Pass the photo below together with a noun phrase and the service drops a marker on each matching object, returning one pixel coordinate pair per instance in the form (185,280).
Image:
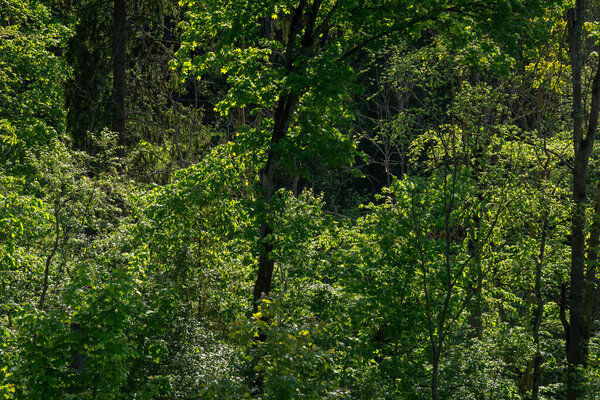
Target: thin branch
(51,255)
(424,271)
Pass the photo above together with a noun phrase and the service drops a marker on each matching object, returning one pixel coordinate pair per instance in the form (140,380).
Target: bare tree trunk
(435,391)
(120,72)
(591,296)
(583,145)
(539,314)
(576,344)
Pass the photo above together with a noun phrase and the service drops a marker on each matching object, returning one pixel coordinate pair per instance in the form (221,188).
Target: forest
(299,199)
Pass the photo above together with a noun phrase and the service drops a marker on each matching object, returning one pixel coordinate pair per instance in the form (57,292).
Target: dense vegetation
(299,199)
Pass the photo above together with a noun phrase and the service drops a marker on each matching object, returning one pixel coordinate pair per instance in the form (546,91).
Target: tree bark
(120,73)
(284,111)
(435,390)
(539,315)
(283,114)
(583,145)
(576,344)
(591,296)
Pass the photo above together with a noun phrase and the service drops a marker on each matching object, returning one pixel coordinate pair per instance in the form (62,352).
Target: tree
(389,178)
(281,59)
(32,72)
(582,312)
(119,59)
(86,93)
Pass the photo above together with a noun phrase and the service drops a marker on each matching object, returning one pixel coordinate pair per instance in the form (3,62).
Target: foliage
(31,77)
(419,223)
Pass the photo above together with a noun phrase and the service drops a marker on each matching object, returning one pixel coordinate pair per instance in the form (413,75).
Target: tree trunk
(576,345)
(119,72)
(583,145)
(281,121)
(78,360)
(283,114)
(539,314)
(435,375)
(591,296)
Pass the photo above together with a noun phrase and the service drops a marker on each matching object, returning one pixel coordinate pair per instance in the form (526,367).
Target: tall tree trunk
(583,145)
(284,111)
(591,296)
(435,390)
(120,72)
(305,17)
(539,314)
(283,114)
(576,344)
